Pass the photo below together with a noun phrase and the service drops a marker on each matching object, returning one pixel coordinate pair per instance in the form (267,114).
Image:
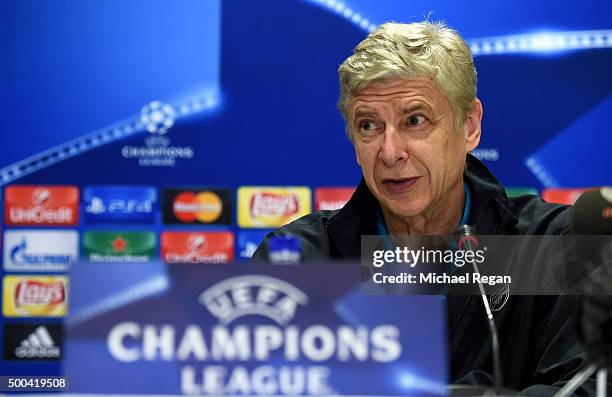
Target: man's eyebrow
(416,106)
(364,113)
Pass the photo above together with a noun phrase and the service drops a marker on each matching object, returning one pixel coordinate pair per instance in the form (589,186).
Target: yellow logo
(272,206)
(35,296)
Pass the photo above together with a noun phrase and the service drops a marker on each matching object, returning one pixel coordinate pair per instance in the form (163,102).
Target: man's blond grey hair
(423,49)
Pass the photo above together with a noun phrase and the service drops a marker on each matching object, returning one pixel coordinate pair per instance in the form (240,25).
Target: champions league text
(221,346)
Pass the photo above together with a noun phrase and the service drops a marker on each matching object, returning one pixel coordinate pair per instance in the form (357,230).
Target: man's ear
(472,126)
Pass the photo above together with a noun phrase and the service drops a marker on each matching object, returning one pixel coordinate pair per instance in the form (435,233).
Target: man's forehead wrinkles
(396,93)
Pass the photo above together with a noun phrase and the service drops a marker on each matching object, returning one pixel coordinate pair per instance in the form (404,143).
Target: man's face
(406,144)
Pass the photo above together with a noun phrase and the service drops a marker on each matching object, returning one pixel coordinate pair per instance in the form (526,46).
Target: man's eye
(416,120)
(367,125)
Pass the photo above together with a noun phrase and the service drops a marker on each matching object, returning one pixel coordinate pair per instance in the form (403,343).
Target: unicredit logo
(40,196)
(270,204)
(196,242)
(29,292)
(207,247)
(53,205)
(253,295)
(40,215)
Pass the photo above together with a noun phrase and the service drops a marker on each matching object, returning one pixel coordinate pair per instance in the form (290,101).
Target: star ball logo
(236,356)
(157,118)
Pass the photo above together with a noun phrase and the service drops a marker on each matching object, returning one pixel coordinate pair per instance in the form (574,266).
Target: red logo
(562,196)
(30,292)
(197,247)
(271,204)
(42,205)
(332,198)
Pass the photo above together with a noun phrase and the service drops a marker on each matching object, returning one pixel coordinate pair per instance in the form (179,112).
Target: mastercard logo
(205,207)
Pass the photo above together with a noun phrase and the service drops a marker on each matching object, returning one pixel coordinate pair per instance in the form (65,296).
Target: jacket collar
(490,213)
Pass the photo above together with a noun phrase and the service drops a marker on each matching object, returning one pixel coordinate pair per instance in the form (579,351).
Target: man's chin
(405,212)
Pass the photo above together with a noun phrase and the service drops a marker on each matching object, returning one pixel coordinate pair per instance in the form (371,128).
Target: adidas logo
(38,344)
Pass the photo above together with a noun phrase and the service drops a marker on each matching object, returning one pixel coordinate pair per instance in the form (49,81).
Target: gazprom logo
(253,295)
(40,250)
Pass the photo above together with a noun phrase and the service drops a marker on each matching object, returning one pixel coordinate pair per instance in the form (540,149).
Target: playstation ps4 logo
(253,295)
(119,204)
(98,206)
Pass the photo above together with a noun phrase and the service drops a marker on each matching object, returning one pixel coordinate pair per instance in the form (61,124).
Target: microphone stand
(469,242)
(604,360)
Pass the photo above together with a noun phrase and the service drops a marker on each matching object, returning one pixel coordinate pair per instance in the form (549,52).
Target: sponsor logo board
(119,246)
(32,341)
(268,207)
(248,241)
(197,247)
(41,205)
(521,191)
(125,204)
(197,206)
(332,198)
(562,196)
(34,296)
(40,250)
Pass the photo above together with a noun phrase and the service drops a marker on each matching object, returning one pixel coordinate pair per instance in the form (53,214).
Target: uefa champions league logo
(157,117)
(253,295)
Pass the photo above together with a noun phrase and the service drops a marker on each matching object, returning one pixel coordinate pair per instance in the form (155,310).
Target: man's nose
(392,150)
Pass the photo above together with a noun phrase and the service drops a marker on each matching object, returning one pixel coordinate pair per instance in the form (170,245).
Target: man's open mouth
(399,185)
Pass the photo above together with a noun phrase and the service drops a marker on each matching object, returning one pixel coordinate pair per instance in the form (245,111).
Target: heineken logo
(253,295)
(119,246)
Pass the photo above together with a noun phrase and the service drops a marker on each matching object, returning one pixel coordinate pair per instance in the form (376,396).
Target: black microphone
(593,216)
(468,241)
(591,219)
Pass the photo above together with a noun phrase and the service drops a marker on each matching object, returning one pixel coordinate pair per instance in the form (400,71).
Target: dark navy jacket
(540,348)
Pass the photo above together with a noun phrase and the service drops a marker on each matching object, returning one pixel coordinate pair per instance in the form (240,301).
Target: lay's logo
(270,204)
(41,205)
(34,296)
(272,207)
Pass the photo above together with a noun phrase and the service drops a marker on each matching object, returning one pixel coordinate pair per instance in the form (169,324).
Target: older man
(408,96)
